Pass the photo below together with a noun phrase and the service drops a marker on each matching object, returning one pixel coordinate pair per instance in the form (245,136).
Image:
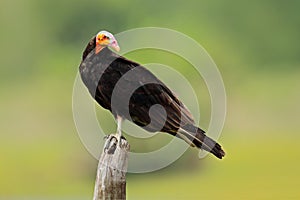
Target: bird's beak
(114,45)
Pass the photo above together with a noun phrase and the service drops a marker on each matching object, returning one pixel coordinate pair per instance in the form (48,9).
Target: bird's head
(104,39)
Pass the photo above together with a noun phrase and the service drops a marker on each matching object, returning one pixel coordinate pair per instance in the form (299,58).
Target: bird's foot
(110,144)
(120,138)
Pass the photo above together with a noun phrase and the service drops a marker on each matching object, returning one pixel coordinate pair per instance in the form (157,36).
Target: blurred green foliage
(254,43)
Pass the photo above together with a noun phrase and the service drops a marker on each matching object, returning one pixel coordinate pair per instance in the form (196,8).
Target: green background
(255,45)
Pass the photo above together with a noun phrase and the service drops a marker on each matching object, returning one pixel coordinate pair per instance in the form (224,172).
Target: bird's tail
(196,137)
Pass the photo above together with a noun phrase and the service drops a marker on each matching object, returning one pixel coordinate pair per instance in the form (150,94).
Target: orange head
(105,38)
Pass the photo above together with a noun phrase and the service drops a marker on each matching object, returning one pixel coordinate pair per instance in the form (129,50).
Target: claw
(105,137)
(110,145)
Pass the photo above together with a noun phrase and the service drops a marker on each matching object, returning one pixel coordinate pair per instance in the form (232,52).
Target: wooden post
(111,172)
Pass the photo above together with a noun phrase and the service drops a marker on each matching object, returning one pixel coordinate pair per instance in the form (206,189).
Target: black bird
(111,79)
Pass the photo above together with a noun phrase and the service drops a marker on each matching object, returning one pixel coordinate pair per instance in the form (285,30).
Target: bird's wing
(150,91)
(89,48)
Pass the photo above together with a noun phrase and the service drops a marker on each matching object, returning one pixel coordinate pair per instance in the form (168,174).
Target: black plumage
(106,73)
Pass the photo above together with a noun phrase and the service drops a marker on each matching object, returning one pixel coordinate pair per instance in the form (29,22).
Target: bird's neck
(99,48)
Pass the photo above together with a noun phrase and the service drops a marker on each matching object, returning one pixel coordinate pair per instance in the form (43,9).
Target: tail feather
(197,137)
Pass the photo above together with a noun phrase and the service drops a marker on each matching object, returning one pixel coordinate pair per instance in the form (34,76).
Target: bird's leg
(119,130)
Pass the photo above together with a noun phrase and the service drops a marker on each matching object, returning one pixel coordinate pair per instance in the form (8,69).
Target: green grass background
(255,45)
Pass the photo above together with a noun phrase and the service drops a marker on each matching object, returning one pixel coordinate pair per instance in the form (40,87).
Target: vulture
(131,92)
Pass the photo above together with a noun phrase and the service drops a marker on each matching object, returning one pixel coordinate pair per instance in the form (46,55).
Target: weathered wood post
(111,172)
